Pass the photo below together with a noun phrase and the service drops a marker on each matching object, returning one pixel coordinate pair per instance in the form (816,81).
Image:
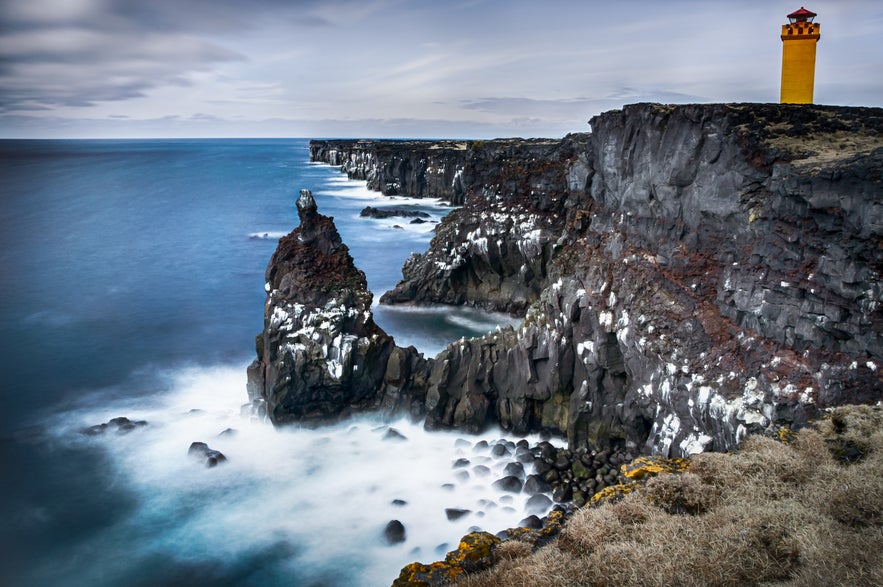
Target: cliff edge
(707,270)
(688,274)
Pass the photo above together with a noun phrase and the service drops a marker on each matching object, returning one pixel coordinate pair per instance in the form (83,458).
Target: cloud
(574,108)
(76,53)
(205,125)
(376,67)
(47,65)
(525,107)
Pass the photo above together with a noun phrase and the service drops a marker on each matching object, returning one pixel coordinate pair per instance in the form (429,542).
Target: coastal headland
(687,275)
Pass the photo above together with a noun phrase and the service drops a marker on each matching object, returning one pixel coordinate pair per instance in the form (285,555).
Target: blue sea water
(133,285)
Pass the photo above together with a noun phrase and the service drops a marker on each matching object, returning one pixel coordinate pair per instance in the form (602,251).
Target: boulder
(394,532)
(371,212)
(456,513)
(509,483)
(209,457)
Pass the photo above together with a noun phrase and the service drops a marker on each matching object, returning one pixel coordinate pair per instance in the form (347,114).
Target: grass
(805,513)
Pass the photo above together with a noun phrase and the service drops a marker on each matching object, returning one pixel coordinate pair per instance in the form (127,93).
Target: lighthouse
(799,38)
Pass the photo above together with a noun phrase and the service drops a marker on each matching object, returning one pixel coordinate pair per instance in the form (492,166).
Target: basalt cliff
(320,356)
(687,274)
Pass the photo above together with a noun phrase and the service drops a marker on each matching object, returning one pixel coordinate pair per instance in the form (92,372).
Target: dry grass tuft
(681,494)
(770,514)
(513,549)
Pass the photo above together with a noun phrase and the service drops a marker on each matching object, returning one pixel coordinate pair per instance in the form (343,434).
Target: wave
(274,235)
(482,322)
(325,495)
(342,187)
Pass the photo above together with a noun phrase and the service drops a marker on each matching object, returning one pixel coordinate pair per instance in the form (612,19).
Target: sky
(402,68)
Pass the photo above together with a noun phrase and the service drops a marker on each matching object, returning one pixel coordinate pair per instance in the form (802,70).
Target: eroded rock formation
(320,355)
(419,169)
(495,251)
(687,274)
(717,271)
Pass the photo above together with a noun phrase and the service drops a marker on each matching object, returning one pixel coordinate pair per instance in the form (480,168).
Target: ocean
(133,286)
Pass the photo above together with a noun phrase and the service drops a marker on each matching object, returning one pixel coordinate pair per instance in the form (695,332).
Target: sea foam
(314,501)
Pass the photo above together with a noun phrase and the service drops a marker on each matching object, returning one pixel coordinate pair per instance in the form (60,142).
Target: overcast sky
(402,68)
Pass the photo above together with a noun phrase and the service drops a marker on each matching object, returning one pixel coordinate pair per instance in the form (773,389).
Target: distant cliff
(688,273)
(420,169)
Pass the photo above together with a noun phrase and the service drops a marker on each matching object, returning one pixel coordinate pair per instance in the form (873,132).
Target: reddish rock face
(320,355)
(688,274)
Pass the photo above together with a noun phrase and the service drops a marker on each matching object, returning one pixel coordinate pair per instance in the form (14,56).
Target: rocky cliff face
(320,355)
(420,169)
(495,251)
(688,274)
(708,270)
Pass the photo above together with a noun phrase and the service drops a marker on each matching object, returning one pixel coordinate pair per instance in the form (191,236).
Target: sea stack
(320,355)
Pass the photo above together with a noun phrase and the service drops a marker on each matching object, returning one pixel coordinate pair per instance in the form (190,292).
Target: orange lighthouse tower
(799,38)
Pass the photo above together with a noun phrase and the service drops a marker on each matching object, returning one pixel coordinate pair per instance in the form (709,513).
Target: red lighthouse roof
(802,14)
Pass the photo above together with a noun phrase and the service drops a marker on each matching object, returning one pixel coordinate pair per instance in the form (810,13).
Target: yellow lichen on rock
(537,536)
(613,493)
(474,553)
(644,467)
(785,435)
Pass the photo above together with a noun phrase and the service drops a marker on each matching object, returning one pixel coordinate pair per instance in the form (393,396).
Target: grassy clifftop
(806,509)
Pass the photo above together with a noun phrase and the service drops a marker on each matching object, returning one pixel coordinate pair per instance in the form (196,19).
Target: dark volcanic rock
(321,355)
(535,484)
(515,469)
(394,532)
(121,425)
(394,435)
(538,504)
(209,457)
(508,483)
(418,169)
(371,212)
(690,273)
(456,513)
(494,252)
(532,521)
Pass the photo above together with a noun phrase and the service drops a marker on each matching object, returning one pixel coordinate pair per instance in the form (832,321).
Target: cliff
(495,251)
(420,169)
(688,274)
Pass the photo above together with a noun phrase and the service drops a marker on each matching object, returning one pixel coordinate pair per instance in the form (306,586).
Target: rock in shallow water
(531,521)
(320,356)
(394,435)
(538,504)
(211,458)
(515,469)
(509,483)
(121,425)
(535,484)
(456,513)
(394,533)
